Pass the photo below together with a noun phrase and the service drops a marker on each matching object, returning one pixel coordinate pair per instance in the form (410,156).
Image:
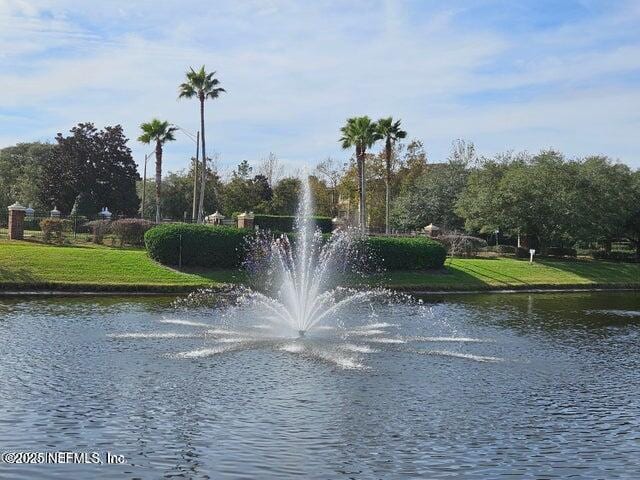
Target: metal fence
(78,228)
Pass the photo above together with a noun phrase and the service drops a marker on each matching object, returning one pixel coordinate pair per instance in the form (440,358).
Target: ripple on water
(466,356)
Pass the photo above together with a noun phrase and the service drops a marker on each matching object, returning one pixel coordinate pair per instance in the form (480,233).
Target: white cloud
(295,70)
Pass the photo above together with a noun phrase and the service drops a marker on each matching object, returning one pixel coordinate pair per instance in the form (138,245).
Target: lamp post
(144,184)
(195,138)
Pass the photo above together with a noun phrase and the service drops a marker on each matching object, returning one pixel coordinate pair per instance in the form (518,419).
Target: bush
(406,253)
(462,245)
(616,256)
(53,229)
(562,252)
(201,245)
(130,231)
(502,249)
(285,223)
(99,228)
(522,252)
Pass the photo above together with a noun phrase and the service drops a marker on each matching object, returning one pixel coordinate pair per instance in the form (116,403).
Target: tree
(432,198)
(244,193)
(243,171)
(632,224)
(271,169)
(159,132)
(177,194)
(286,195)
(202,85)
(93,165)
(322,196)
(604,200)
(533,197)
(361,133)
(20,170)
(390,132)
(330,170)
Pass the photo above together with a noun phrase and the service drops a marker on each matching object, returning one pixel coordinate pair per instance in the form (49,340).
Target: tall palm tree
(390,131)
(361,133)
(202,85)
(159,132)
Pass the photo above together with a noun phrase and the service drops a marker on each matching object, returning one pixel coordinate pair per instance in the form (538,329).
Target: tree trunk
(387,184)
(204,163)
(364,194)
(158,179)
(360,165)
(194,209)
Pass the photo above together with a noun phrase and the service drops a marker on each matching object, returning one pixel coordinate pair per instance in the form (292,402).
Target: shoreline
(151,290)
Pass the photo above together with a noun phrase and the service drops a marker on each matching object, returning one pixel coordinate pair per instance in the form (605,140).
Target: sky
(506,75)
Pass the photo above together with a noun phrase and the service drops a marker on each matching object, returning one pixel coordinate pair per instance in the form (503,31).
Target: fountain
(296,278)
(294,302)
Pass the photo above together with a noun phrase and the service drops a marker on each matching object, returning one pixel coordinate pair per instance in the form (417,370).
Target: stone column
(16,221)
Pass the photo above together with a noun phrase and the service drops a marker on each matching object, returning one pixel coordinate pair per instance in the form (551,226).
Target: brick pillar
(245,220)
(16,221)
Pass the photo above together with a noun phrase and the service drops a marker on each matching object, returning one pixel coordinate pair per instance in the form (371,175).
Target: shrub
(462,245)
(616,256)
(130,231)
(285,223)
(99,228)
(406,253)
(561,252)
(502,249)
(53,229)
(199,245)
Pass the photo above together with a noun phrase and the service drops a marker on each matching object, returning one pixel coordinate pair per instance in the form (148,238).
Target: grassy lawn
(511,273)
(35,265)
(30,265)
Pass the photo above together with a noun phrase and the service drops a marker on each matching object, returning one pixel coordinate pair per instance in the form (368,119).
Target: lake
(458,386)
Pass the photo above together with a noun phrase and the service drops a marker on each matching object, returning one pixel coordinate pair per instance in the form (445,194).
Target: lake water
(469,386)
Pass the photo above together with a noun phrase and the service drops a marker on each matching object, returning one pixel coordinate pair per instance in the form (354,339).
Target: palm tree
(202,85)
(390,131)
(361,133)
(159,132)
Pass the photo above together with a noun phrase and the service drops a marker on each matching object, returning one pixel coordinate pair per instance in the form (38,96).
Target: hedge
(202,245)
(406,253)
(561,252)
(285,223)
(224,247)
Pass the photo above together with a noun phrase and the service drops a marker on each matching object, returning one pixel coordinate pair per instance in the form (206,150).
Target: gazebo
(431,230)
(215,218)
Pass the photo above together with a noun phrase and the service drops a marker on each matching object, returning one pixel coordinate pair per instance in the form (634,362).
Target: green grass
(507,273)
(30,265)
(26,265)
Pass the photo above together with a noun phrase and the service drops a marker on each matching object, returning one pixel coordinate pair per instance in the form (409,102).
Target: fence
(79,230)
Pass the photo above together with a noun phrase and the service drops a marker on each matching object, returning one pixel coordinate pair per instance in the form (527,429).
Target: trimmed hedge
(224,247)
(202,245)
(406,253)
(285,223)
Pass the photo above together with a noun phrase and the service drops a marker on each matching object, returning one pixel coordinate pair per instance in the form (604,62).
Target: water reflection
(534,385)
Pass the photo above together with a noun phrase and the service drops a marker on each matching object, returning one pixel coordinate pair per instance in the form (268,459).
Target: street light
(195,138)
(144,183)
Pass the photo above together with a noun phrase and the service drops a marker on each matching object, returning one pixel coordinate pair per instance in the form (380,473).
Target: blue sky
(507,75)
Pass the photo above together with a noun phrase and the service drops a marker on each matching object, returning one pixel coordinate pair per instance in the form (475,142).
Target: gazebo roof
(431,228)
(217,215)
